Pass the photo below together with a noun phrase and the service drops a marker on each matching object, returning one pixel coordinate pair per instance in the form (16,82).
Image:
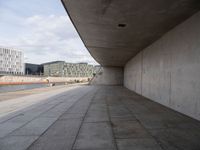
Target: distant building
(63,69)
(54,68)
(33,69)
(11,61)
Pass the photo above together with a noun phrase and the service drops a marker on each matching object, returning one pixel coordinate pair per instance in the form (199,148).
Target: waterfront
(12,88)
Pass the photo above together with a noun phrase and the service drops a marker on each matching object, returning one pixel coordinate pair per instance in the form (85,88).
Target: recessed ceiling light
(121,25)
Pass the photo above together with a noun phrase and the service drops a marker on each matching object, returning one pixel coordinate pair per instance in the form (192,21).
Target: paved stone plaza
(98,118)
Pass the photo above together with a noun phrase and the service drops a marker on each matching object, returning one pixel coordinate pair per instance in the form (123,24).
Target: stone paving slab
(59,136)
(37,108)
(52,143)
(72,116)
(129,129)
(17,142)
(17,104)
(123,118)
(36,127)
(119,110)
(99,118)
(62,134)
(138,144)
(177,138)
(96,116)
(27,125)
(7,128)
(95,136)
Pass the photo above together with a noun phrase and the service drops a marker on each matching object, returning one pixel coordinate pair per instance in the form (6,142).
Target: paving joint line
(50,100)
(57,119)
(29,122)
(22,113)
(90,103)
(111,125)
(161,146)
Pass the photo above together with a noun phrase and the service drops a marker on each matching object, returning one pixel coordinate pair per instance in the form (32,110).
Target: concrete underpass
(150,47)
(146,95)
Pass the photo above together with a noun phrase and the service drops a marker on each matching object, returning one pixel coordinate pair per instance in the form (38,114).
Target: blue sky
(42,30)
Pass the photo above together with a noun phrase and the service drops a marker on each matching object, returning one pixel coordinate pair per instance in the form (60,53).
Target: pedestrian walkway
(99,118)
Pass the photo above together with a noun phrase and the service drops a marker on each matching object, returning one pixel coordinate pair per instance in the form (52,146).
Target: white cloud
(47,38)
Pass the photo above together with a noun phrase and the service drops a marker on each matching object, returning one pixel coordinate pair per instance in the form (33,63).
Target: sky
(42,30)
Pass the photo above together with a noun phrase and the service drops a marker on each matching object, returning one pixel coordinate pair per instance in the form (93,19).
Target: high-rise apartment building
(11,61)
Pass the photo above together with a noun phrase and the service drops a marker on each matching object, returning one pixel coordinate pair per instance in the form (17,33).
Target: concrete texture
(159,49)
(109,76)
(98,23)
(163,46)
(168,70)
(99,118)
(20,129)
(133,74)
(96,135)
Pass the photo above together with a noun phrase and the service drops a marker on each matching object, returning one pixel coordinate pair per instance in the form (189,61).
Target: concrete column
(109,76)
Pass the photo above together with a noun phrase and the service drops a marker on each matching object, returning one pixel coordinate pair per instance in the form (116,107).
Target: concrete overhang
(116,30)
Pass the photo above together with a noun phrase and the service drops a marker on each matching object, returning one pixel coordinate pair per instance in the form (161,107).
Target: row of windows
(5,50)
(11,72)
(10,69)
(11,61)
(19,65)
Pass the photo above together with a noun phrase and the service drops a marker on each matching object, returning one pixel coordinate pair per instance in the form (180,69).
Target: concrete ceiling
(116,30)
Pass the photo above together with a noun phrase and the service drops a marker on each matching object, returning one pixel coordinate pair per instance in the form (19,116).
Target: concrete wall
(168,71)
(109,76)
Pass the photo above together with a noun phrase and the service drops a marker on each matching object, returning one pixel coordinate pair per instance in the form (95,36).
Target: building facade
(54,68)
(11,61)
(63,69)
(33,69)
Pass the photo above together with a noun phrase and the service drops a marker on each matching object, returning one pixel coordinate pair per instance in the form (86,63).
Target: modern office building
(54,68)
(33,69)
(11,61)
(63,69)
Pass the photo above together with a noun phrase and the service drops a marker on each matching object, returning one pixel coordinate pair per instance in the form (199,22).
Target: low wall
(168,71)
(5,80)
(109,76)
